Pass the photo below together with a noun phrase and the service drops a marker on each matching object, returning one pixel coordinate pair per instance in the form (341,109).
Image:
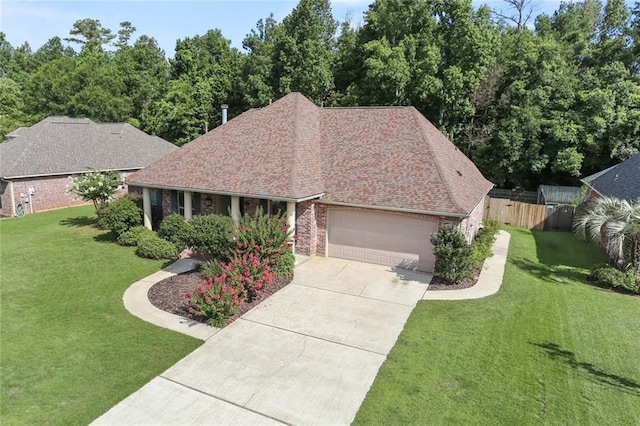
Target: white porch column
(146,207)
(13,199)
(235,209)
(291,215)
(188,204)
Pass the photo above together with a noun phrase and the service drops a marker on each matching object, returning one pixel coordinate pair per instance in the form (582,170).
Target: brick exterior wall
(204,209)
(469,226)
(250,205)
(307,228)
(321,221)
(50,193)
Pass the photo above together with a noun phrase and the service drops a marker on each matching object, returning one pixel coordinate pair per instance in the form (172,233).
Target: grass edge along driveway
(69,350)
(547,349)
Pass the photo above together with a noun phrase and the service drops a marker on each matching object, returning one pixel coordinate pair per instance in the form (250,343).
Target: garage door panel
(381,238)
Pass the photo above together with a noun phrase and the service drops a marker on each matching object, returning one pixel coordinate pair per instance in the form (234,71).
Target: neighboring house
(362,183)
(621,181)
(42,158)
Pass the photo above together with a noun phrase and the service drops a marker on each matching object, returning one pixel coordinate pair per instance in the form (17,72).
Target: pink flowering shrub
(250,270)
(216,299)
(261,251)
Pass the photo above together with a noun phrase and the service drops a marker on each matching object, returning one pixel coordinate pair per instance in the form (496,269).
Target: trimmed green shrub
(210,234)
(154,247)
(285,263)
(453,255)
(120,215)
(176,229)
(133,235)
(483,242)
(491,226)
(610,276)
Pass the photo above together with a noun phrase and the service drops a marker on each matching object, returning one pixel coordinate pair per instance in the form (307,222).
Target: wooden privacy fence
(523,215)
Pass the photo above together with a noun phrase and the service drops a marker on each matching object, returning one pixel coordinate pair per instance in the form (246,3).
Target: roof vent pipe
(224,107)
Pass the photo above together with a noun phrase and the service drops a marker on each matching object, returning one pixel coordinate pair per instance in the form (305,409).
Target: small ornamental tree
(96,186)
(454,261)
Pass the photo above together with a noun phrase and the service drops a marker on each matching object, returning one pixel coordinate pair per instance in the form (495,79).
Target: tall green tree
(345,65)
(99,90)
(304,45)
(145,74)
(203,72)
(51,50)
(90,34)
(124,34)
(257,83)
(176,116)
(432,55)
(12,108)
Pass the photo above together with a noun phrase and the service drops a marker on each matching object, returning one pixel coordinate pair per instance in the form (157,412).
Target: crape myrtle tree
(98,187)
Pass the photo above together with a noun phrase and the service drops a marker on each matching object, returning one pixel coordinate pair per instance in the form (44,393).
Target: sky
(165,20)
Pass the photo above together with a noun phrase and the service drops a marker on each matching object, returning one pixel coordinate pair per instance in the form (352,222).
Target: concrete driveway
(307,355)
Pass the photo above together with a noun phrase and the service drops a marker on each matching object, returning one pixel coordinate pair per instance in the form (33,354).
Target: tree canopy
(529,101)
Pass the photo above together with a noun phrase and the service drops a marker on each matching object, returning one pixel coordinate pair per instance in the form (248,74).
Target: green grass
(69,350)
(547,349)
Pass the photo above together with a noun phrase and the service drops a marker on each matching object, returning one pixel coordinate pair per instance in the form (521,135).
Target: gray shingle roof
(373,156)
(60,145)
(620,181)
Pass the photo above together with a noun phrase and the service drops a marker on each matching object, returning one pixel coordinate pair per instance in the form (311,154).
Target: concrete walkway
(136,301)
(490,278)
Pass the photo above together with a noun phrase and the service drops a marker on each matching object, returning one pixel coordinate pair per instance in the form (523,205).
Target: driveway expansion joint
(311,337)
(377,299)
(221,399)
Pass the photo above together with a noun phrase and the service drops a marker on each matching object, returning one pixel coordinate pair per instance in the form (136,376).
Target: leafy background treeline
(535,102)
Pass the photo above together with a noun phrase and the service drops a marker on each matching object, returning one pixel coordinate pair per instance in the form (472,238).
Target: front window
(181,204)
(277,208)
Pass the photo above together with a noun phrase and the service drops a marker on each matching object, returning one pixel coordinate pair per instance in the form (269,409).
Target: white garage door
(381,238)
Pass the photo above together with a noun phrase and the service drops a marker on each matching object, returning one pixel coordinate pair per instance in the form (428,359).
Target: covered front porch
(159,203)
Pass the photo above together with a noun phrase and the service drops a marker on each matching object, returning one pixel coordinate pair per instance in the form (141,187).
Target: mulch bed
(439,283)
(168,294)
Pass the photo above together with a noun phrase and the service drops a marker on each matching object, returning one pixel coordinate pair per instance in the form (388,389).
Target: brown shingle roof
(59,145)
(388,157)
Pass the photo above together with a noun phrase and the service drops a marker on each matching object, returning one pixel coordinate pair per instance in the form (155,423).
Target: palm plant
(615,224)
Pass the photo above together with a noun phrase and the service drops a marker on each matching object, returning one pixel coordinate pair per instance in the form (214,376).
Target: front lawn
(69,348)
(547,349)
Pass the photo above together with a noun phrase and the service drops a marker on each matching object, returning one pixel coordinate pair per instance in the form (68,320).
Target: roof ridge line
(436,159)
(296,147)
(27,147)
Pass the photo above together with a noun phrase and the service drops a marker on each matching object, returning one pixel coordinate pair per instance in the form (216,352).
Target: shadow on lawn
(550,273)
(80,221)
(556,352)
(565,249)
